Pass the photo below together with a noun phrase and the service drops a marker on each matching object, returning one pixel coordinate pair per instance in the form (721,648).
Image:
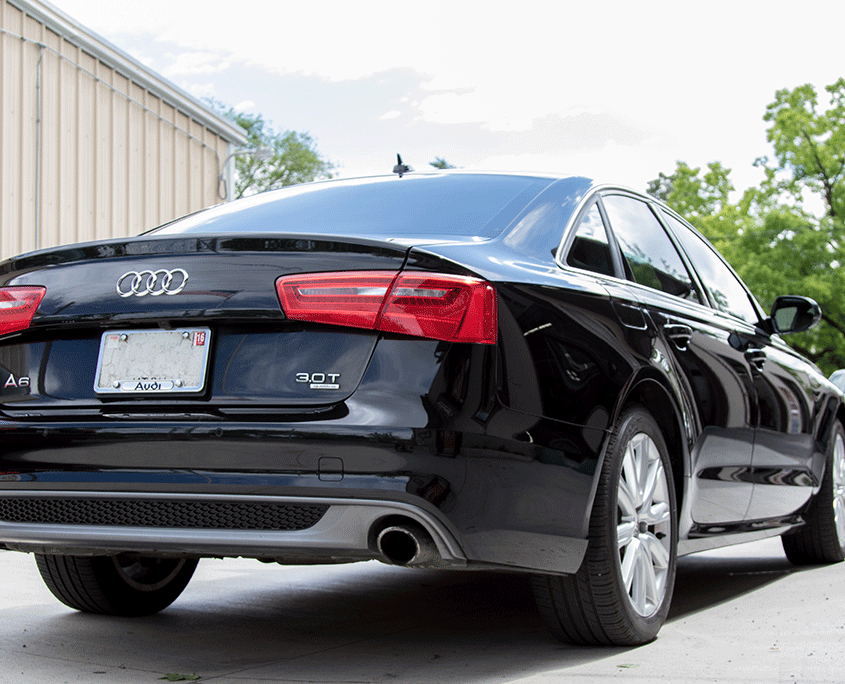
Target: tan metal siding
(114,160)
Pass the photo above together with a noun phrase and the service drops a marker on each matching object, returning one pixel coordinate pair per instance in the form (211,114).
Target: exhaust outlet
(406,544)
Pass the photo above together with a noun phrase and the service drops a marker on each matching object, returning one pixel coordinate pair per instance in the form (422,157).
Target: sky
(618,91)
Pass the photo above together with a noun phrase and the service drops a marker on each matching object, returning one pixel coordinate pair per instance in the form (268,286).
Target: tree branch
(833,324)
(828,187)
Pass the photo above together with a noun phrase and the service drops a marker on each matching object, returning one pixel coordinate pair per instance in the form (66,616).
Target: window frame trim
(595,196)
(755,305)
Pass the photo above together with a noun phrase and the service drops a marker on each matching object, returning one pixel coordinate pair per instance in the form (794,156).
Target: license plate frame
(153,362)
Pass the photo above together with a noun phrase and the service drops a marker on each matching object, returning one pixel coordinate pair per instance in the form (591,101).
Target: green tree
(440,163)
(294,157)
(775,236)
(703,199)
(691,193)
(809,145)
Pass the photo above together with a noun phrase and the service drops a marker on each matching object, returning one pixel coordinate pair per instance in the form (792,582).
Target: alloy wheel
(643,529)
(839,487)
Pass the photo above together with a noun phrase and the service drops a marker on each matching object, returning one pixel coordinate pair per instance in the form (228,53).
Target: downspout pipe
(38,70)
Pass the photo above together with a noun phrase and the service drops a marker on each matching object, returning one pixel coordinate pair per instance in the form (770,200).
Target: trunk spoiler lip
(170,246)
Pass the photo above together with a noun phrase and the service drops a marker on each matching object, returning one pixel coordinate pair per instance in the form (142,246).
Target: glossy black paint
(500,444)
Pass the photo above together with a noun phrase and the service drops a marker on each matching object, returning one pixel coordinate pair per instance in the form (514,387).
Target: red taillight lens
(442,307)
(353,299)
(436,306)
(17,307)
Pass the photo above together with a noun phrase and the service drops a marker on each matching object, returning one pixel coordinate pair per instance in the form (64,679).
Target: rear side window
(726,290)
(590,249)
(649,256)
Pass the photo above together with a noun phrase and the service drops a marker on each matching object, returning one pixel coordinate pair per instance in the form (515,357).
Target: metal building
(92,143)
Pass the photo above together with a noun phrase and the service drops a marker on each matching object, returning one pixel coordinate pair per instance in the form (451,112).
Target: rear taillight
(17,307)
(433,305)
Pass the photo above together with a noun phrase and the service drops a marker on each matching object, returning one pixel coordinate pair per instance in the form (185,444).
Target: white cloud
(245,106)
(695,78)
(630,165)
(192,63)
(201,90)
(392,114)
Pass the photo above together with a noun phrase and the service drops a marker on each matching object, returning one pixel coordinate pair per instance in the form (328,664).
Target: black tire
(629,540)
(129,585)
(822,539)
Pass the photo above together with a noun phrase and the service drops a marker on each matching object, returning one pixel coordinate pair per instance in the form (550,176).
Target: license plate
(153,361)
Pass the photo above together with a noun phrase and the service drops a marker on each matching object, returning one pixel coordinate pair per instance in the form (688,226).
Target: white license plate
(153,361)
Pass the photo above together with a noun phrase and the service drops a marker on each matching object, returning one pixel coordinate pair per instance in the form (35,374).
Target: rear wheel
(127,584)
(621,594)
(822,539)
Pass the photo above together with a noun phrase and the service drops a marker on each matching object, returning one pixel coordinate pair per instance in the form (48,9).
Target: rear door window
(648,254)
(726,290)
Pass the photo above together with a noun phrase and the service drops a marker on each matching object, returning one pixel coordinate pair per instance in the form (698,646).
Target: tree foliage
(294,157)
(809,144)
(440,163)
(772,236)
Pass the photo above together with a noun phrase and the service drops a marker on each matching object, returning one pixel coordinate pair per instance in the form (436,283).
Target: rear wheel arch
(622,592)
(658,401)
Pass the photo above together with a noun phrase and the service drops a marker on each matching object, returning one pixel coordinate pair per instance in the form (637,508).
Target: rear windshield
(459,205)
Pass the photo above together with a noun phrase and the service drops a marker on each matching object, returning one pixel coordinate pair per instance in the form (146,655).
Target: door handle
(679,333)
(757,358)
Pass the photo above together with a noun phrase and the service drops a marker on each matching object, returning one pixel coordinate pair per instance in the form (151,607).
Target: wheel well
(654,399)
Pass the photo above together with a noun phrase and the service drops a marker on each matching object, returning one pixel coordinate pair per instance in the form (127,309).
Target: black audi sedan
(459,370)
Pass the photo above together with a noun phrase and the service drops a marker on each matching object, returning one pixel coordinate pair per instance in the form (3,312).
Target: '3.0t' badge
(320,381)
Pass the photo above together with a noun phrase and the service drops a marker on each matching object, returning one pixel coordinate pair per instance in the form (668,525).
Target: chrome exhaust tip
(406,544)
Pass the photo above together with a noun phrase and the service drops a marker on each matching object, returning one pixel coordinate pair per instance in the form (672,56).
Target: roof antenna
(401,168)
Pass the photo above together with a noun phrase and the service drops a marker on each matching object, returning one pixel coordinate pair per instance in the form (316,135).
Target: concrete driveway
(742,614)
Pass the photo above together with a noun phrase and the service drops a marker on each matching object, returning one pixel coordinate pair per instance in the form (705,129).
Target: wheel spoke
(653,478)
(625,499)
(641,583)
(645,451)
(629,563)
(658,513)
(651,595)
(659,553)
(630,470)
(625,532)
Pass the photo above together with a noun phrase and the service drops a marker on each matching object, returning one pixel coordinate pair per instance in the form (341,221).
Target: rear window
(443,206)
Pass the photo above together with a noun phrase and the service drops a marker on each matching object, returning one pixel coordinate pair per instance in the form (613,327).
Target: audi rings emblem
(153,283)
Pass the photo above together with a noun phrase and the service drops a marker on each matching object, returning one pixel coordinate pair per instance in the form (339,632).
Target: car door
(784,458)
(699,346)
(785,453)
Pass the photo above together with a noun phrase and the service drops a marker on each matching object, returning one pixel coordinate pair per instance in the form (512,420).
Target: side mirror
(792,314)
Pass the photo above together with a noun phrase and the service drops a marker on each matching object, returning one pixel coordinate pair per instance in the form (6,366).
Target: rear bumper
(345,532)
(485,500)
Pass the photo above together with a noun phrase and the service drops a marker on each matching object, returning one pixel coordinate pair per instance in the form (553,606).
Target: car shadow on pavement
(239,621)
(704,581)
(368,624)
